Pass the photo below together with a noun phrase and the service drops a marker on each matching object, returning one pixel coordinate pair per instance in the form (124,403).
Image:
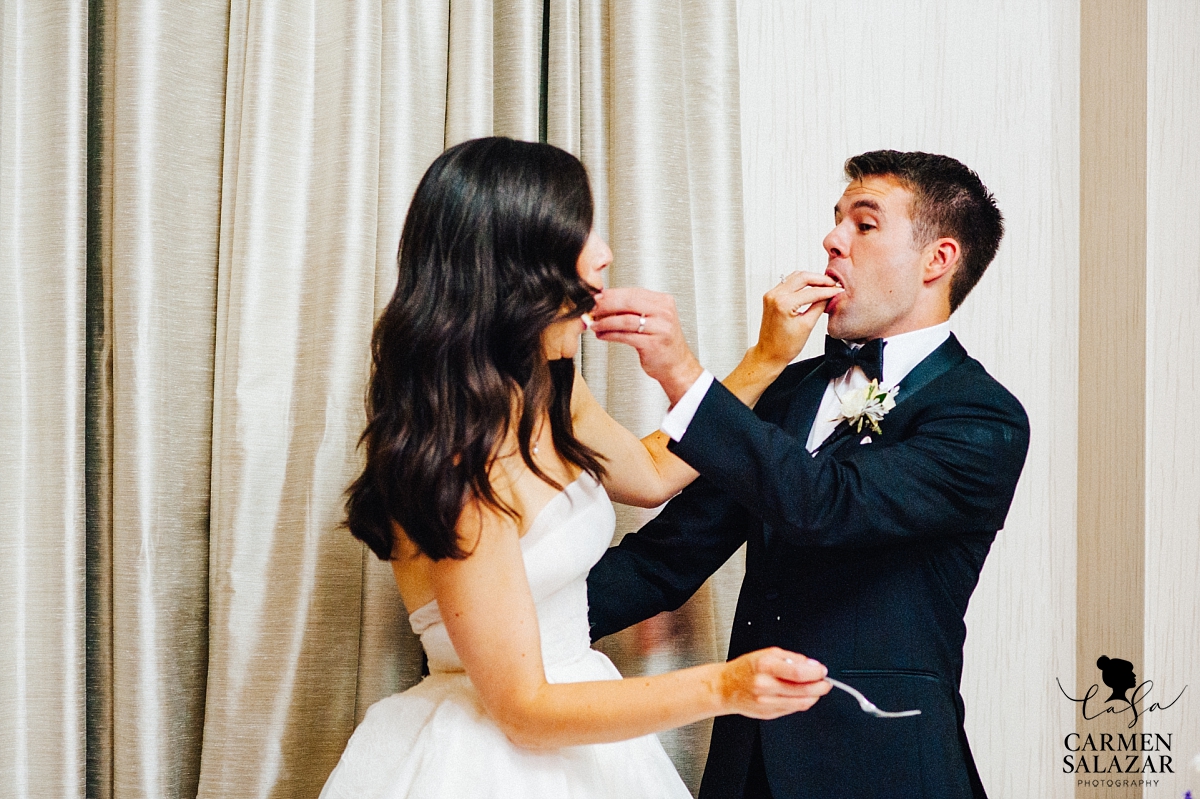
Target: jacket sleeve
(659,567)
(954,470)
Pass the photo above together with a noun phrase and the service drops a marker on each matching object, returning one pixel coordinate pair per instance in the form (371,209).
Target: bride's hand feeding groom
(647,321)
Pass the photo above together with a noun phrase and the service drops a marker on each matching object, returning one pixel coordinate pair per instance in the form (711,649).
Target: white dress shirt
(900,354)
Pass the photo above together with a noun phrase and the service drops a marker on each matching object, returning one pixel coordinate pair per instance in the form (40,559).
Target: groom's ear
(942,258)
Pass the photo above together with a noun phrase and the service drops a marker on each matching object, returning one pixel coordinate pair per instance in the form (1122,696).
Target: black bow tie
(840,358)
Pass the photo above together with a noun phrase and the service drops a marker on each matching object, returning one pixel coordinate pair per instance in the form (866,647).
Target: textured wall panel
(1112,350)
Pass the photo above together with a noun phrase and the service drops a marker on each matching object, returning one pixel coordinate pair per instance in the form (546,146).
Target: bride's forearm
(790,311)
(670,476)
(764,684)
(642,473)
(750,378)
(573,714)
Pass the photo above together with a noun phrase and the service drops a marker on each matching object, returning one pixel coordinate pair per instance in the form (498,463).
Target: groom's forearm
(640,578)
(753,375)
(748,382)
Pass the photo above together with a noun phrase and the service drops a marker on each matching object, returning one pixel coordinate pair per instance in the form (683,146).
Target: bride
(487,482)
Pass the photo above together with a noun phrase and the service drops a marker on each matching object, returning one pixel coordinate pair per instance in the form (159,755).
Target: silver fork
(868,706)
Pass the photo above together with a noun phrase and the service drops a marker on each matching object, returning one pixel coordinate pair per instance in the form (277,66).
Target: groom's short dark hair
(949,200)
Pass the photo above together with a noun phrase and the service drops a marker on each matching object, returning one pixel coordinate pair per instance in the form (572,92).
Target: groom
(863,546)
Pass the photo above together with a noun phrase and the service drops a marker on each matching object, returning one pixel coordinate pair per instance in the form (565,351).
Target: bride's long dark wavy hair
(487,261)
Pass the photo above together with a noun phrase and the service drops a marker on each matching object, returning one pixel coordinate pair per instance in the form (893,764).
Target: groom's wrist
(680,378)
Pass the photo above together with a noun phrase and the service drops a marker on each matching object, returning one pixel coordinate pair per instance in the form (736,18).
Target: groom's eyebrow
(863,203)
(866,203)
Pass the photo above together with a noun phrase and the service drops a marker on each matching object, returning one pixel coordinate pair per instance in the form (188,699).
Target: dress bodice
(564,541)
(437,740)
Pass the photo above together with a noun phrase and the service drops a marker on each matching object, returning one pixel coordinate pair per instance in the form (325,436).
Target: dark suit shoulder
(970,383)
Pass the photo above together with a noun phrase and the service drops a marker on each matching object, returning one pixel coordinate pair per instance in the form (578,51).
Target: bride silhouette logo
(1127,694)
(1117,675)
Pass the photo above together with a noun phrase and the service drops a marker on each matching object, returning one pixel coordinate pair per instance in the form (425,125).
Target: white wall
(994,84)
(1172,625)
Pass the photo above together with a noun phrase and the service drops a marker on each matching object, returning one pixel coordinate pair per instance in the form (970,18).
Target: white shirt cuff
(676,422)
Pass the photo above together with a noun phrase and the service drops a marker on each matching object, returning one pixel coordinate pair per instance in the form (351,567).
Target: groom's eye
(863,227)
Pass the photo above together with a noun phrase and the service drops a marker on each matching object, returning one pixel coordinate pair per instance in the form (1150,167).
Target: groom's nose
(835,243)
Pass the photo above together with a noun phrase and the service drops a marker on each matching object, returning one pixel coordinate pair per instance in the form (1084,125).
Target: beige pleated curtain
(200,205)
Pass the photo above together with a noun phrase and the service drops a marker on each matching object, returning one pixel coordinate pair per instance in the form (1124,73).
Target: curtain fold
(99,410)
(516,68)
(294,311)
(157,136)
(714,164)
(412,132)
(43,185)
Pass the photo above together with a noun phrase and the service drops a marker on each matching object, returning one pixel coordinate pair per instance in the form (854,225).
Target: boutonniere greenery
(867,406)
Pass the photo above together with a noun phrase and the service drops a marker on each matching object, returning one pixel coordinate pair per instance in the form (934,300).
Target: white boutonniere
(867,406)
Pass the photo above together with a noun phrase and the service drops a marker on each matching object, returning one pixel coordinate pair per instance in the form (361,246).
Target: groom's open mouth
(829,306)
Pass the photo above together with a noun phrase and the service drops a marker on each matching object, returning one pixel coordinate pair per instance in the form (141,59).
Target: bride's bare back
(517,486)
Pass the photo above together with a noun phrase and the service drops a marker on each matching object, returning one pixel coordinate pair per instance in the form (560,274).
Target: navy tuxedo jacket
(862,555)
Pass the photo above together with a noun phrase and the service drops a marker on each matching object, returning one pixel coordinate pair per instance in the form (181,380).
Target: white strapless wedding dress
(436,741)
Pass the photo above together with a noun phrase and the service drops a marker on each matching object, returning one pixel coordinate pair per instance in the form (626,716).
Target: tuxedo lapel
(802,410)
(936,364)
(839,435)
